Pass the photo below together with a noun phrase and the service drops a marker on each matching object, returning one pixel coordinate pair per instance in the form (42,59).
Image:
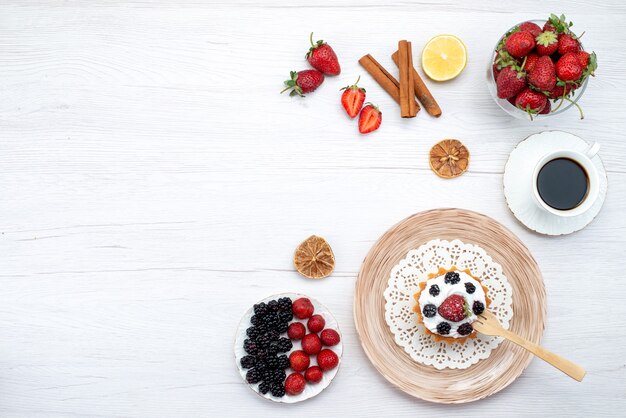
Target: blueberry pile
(264,346)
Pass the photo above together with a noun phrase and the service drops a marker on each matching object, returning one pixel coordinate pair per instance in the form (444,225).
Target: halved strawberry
(352,99)
(370,119)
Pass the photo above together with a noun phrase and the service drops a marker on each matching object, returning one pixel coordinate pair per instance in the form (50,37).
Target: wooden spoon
(488,324)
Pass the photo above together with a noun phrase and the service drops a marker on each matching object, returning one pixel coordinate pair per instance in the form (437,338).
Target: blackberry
(264,387)
(252,332)
(262,328)
(430,310)
(255,320)
(272,350)
(465,329)
(278,390)
(261,354)
(478,307)
(272,305)
(260,309)
(283,361)
(278,376)
(273,362)
(264,340)
(260,365)
(443,328)
(284,305)
(282,327)
(271,321)
(434,290)
(285,316)
(248,362)
(470,288)
(250,346)
(284,345)
(253,376)
(452,277)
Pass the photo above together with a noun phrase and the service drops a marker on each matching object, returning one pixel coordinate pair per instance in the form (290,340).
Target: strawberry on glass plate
(298,369)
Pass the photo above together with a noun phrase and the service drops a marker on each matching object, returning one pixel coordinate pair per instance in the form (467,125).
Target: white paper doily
(404,283)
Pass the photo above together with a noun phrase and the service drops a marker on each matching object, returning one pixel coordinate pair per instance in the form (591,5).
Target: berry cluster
(264,346)
(312,345)
(535,64)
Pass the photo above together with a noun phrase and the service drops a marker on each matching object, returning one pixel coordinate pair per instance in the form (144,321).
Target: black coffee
(562,183)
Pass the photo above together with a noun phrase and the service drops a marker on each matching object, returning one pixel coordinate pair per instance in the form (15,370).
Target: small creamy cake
(448,302)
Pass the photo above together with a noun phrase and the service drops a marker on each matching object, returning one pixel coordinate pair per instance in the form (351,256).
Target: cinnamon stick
(382,77)
(406,89)
(422,92)
(412,108)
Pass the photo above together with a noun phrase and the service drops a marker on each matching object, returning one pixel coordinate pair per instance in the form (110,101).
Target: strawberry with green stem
(303,82)
(322,57)
(531,102)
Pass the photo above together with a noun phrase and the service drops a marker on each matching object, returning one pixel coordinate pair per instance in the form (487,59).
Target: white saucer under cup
(520,182)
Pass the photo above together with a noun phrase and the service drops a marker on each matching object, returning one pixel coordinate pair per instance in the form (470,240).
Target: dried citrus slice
(314,258)
(449,158)
(444,57)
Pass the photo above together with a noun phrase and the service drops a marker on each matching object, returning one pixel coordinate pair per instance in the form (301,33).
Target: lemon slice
(444,57)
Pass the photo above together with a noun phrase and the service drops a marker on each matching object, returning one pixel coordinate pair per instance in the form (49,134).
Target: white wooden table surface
(154,185)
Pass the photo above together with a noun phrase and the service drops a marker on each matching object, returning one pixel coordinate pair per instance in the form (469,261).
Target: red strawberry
(299,361)
(296,331)
(510,82)
(453,308)
(549,27)
(583,57)
(303,82)
(322,57)
(547,43)
(559,91)
(327,359)
(495,70)
(330,337)
(316,323)
(370,119)
(311,344)
(313,374)
(302,308)
(519,44)
(531,60)
(294,384)
(568,67)
(352,99)
(543,75)
(531,102)
(567,43)
(531,28)
(546,108)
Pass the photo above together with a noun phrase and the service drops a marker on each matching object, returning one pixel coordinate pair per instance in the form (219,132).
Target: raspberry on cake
(451,303)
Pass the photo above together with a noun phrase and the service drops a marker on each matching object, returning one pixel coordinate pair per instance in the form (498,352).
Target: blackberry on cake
(430,310)
(443,328)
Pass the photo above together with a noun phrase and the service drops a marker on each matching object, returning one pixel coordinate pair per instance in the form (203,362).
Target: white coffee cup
(584,160)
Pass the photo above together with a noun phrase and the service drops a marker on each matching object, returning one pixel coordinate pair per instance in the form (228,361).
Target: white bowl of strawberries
(540,68)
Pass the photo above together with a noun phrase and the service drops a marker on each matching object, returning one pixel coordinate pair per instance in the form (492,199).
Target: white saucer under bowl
(518,189)
(310,390)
